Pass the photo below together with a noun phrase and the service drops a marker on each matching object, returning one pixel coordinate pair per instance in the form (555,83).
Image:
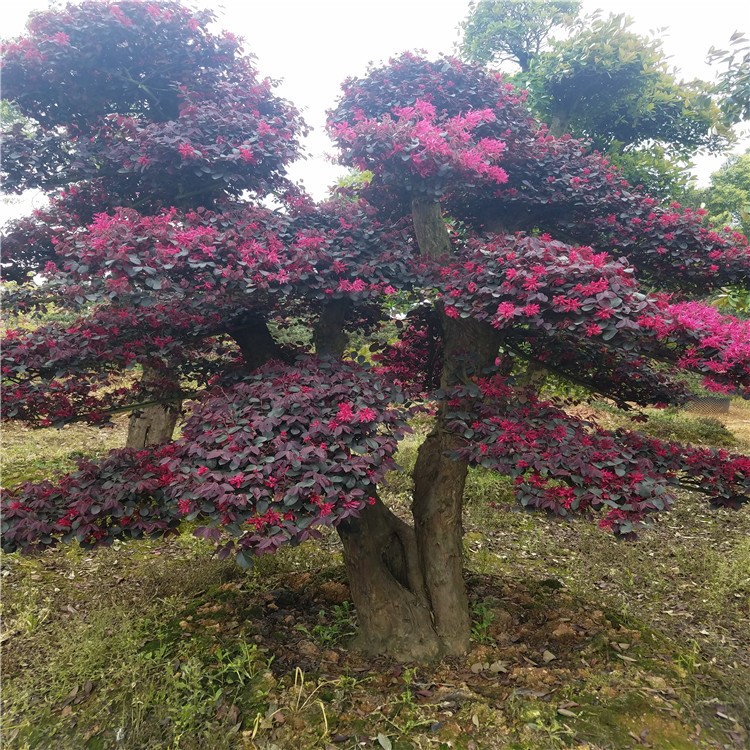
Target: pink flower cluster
(418,145)
(710,342)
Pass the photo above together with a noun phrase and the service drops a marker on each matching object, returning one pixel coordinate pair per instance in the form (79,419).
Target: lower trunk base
(438,492)
(152,425)
(394,615)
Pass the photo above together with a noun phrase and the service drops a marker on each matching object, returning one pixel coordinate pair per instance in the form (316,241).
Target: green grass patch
(31,455)
(671,425)
(578,640)
(116,668)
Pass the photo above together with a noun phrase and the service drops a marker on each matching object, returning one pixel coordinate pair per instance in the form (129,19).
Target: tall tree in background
(727,203)
(727,198)
(734,80)
(614,87)
(516,32)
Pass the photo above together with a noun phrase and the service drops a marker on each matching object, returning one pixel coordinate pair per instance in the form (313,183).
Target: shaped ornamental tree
(162,244)
(134,105)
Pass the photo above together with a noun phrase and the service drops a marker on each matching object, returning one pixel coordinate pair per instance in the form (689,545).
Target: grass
(578,640)
(32,455)
(334,627)
(676,425)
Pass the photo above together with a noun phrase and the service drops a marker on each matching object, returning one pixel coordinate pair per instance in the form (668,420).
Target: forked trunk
(438,504)
(439,480)
(407,584)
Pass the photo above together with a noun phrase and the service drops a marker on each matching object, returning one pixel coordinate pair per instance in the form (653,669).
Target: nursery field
(579,641)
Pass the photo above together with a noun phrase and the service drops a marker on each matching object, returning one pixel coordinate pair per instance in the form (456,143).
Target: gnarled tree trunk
(429,227)
(255,341)
(329,336)
(437,508)
(439,480)
(153,424)
(380,554)
(387,586)
(407,584)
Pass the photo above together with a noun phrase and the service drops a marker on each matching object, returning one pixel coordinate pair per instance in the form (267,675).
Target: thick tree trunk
(559,124)
(407,584)
(329,336)
(469,347)
(255,342)
(439,482)
(429,227)
(382,564)
(533,377)
(380,554)
(438,504)
(154,424)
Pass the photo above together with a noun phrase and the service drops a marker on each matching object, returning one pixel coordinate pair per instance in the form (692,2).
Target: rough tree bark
(380,554)
(407,583)
(256,342)
(153,424)
(439,482)
(559,123)
(429,227)
(329,335)
(387,587)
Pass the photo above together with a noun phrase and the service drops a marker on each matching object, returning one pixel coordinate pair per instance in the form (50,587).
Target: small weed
(334,626)
(241,665)
(403,713)
(31,619)
(482,618)
(301,700)
(688,660)
(405,698)
(543,728)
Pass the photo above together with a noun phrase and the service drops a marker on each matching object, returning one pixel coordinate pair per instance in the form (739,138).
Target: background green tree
(734,80)
(607,84)
(498,32)
(727,198)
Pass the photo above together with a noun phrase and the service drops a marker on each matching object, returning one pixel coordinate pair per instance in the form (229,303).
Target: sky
(313,45)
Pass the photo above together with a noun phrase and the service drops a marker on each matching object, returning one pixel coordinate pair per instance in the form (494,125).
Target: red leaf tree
(165,141)
(136,105)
